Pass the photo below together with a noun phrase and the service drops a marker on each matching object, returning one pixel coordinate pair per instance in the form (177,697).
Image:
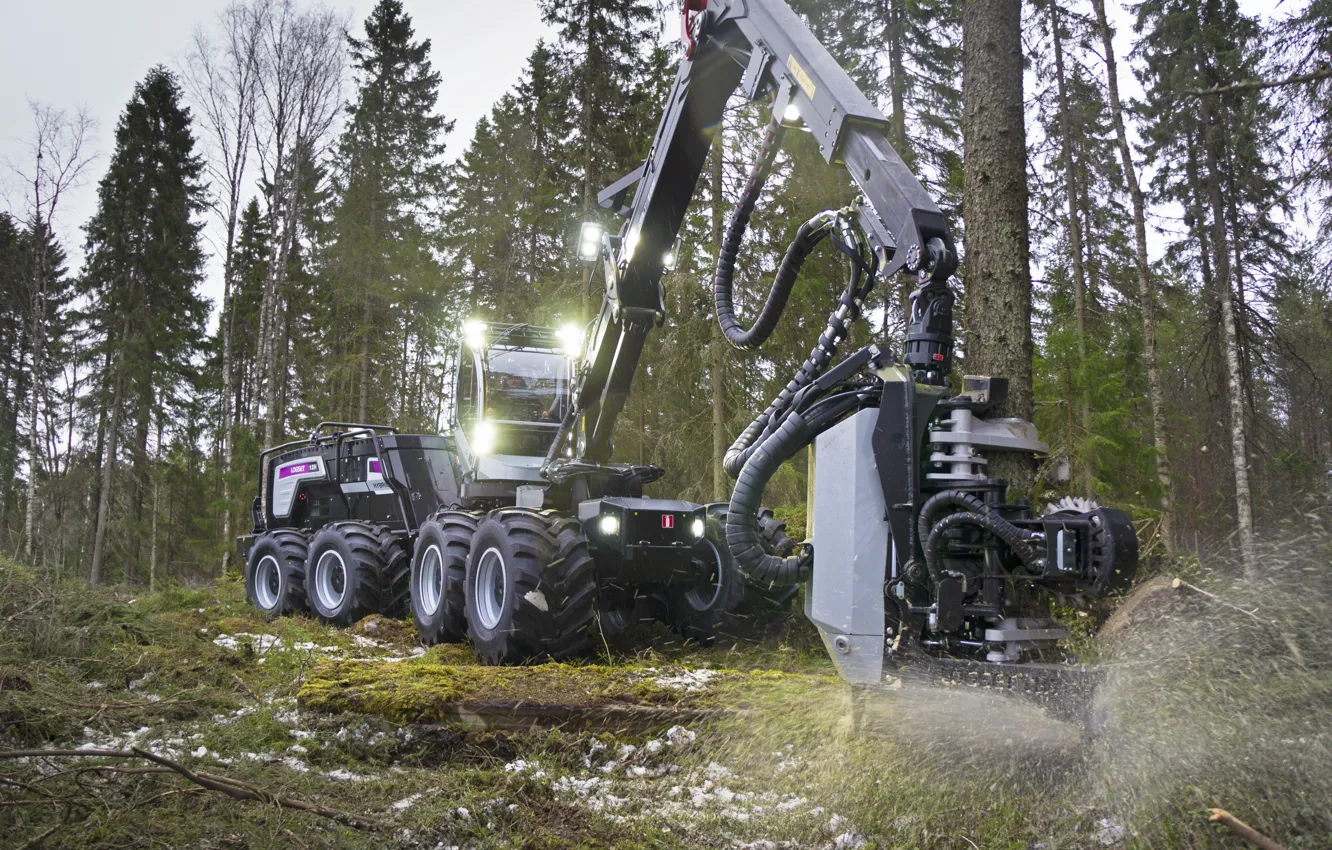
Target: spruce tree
(390,175)
(143,249)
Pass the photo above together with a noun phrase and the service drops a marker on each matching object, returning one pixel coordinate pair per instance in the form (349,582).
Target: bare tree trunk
(998,273)
(1146,290)
(157,493)
(367,314)
(894,11)
(1074,242)
(720,485)
(108,467)
(1234,375)
(38,349)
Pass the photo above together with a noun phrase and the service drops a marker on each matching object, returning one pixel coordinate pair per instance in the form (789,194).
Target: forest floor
(651,743)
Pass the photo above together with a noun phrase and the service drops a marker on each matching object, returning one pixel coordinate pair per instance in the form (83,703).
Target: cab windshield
(526,386)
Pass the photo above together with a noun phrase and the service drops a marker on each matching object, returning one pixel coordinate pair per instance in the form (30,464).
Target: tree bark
(38,342)
(1146,289)
(157,492)
(1234,375)
(998,273)
(108,466)
(139,474)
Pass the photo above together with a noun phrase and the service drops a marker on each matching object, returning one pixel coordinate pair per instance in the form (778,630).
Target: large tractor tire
(772,533)
(707,608)
(530,588)
(275,573)
(355,569)
(439,568)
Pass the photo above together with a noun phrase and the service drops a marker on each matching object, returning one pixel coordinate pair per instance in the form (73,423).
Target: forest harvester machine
(484,532)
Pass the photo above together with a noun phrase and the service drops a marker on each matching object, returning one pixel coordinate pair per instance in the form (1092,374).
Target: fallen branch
(234,788)
(1242,829)
(1287,639)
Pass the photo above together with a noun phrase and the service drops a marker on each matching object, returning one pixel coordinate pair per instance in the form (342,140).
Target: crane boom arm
(764,49)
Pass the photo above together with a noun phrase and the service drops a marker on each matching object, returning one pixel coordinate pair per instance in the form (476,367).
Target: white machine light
(589,241)
(792,114)
(668,260)
(571,340)
(698,528)
(631,244)
(610,524)
(474,334)
(483,438)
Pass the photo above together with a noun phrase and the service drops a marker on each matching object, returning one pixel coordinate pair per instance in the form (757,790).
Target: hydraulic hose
(1001,528)
(817,363)
(742,525)
(810,234)
(730,250)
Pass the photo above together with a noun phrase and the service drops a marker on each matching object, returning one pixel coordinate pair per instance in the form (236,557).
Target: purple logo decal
(375,467)
(297,469)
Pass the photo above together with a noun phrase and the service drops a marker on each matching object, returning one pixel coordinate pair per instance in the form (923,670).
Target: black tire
(540,603)
(275,573)
(442,546)
(706,608)
(351,571)
(772,533)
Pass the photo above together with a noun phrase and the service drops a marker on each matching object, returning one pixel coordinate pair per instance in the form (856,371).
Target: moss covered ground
(749,745)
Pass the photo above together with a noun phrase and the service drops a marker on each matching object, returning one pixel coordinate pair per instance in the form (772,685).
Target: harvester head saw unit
(919,556)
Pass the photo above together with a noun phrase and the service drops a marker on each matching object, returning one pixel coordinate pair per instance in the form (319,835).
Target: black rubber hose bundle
(723,283)
(974,512)
(742,527)
(848,309)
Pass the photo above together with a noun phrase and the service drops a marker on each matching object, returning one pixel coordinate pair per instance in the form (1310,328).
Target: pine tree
(143,249)
(389,176)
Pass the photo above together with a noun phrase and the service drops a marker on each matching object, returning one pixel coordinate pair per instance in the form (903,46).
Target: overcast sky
(90,53)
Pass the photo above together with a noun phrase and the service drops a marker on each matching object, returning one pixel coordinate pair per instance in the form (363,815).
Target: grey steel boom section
(763,46)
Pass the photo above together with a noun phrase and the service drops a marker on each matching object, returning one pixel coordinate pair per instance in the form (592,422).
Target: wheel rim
(703,595)
(430,584)
(267,582)
(491,588)
(330,580)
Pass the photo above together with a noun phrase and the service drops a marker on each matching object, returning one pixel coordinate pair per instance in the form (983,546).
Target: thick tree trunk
(994,204)
(1074,244)
(720,485)
(1146,289)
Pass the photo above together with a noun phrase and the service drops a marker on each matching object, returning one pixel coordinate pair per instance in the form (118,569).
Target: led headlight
(698,527)
(483,438)
(474,334)
(571,340)
(609,524)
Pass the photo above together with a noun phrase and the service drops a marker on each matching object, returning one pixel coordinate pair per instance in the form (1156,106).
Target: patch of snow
(1110,834)
(689,681)
(344,775)
(678,736)
(716,771)
(406,803)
